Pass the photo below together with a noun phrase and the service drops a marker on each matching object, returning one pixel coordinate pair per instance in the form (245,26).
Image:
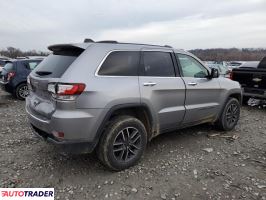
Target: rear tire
(21,91)
(230,115)
(122,143)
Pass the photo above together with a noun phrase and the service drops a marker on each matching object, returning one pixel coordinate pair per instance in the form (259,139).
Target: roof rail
(87,40)
(107,41)
(22,57)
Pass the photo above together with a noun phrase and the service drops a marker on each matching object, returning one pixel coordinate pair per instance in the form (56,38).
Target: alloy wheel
(23,91)
(232,114)
(127,143)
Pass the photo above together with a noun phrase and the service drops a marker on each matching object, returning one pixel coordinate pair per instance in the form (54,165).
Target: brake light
(10,75)
(72,89)
(231,75)
(62,91)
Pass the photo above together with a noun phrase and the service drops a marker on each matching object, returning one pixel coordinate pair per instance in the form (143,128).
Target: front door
(202,93)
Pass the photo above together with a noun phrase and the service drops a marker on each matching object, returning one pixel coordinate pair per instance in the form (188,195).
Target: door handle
(192,83)
(149,84)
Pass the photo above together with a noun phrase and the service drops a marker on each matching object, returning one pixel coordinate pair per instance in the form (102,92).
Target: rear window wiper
(43,73)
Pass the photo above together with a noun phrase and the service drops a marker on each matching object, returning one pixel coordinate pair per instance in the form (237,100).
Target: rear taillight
(231,75)
(63,91)
(10,75)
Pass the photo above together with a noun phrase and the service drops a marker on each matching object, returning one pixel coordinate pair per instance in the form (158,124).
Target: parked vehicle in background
(2,64)
(115,97)
(250,64)
(13,78)
(234,64)
(252,79)
(220,66)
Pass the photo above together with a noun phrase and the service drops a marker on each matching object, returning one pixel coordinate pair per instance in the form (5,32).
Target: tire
(116,150)
(21,91)
(230,115)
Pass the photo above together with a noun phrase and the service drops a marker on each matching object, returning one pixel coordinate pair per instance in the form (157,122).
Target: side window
(191,67)
(158,64)
(31,64)
(121,63)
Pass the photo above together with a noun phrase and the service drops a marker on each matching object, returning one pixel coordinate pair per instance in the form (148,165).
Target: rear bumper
(73,147)
(79,129)
(6,86)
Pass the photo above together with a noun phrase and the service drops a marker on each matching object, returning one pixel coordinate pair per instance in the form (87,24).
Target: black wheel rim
(232,114)
(127,144)
(23,92)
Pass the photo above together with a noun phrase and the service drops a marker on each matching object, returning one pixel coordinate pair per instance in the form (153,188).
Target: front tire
(230,115)
(122,143)
(21,91)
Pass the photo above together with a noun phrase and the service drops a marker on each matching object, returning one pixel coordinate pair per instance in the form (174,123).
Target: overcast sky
(190,24)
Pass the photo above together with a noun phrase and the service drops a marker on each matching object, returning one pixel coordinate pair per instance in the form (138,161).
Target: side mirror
(214,73)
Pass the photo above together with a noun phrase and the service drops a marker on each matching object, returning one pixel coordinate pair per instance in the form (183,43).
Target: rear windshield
(54,66)
(9,66)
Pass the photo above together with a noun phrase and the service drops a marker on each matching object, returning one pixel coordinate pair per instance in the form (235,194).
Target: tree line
(219,54)
(12,52)
(232,54)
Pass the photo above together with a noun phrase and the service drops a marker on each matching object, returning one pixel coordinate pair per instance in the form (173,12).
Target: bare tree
(245,54)
(12,52)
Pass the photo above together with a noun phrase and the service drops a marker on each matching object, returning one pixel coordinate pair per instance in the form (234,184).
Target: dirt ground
(194,163)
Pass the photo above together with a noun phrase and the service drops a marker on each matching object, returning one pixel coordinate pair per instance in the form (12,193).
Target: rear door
(161,87)
(50,70)
(202,93)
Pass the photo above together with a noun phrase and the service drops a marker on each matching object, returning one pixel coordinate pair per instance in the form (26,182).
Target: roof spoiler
(67,49)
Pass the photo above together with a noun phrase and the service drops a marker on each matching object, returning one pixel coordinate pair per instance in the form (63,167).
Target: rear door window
(54,66)
(157,63)
(121,63)
(31,65)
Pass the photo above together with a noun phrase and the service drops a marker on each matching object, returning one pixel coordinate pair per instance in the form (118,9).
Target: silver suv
(115,97)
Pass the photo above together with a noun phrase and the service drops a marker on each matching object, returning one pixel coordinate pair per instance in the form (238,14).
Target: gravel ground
(194,163)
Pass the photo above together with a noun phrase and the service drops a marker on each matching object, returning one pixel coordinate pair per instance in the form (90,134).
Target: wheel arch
(140,111)
(232,94)
(237,96)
